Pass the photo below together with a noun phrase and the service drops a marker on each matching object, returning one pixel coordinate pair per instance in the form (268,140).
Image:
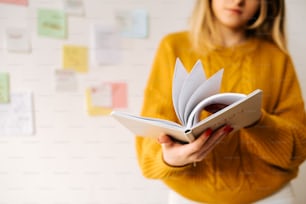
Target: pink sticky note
(119,95)
(19,2)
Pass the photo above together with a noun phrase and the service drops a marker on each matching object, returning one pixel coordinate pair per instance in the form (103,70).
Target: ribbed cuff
(161,170)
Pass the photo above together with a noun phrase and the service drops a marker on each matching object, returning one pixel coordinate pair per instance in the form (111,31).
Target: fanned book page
(192,93)
(189,89)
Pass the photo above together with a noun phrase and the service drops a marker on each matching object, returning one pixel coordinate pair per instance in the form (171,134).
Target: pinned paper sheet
(65,80)
(133,23)
(4,88)
(74,7)
(105,45)
(52,23)
(95,110)
(103,98)
(18,2)
(16,117)
(17,40)
(75,58)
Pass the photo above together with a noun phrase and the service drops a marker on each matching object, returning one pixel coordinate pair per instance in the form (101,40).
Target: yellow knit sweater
(249,164)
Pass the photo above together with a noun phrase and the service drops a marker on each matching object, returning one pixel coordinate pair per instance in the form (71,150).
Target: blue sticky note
(133,23)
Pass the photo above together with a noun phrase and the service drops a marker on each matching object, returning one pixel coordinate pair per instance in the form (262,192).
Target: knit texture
(249,164)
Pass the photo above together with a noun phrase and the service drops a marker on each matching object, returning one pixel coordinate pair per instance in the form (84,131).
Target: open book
(192,93)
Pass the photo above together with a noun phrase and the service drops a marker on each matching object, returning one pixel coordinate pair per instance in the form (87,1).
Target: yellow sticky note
(75,58)
(95,110)
(4,88)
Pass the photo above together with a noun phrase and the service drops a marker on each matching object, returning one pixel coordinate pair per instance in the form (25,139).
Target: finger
(164,139)
(213,141)
(216,136)
(208,149)
(196,145)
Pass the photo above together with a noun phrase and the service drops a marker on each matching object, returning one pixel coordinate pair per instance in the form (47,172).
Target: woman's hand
(177,154)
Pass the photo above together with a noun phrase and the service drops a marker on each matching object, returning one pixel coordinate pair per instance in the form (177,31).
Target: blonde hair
(268,23)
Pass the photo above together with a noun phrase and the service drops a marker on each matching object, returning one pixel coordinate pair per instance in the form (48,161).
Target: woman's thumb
(164,139)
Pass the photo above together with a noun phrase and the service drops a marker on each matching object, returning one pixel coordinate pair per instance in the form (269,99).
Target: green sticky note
(4,88)
(52,23)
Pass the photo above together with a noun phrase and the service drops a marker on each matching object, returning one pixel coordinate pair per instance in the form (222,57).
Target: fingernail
(228,128)
(208,132)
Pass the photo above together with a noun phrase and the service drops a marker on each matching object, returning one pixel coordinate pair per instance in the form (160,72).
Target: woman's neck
(232,37)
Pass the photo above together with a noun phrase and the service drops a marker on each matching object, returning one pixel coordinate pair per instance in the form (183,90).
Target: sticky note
(103,98)
(119,95)
(133,23)
(4,88)
(96,110)
(52,23)
(75,58)
(17,2)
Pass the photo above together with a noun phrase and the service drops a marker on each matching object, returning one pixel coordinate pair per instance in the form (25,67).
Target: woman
(247,39)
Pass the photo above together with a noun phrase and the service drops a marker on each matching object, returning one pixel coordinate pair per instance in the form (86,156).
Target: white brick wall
(74,158)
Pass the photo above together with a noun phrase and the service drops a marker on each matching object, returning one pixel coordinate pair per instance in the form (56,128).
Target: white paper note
(17,40)
(101,96)
(65,80)
(74,7)
(16,117)
(105,45)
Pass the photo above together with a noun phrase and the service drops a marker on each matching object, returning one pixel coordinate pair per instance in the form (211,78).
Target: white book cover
(191,94)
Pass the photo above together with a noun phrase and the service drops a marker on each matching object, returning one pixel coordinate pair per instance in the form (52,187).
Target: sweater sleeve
(158,103)
(279,139)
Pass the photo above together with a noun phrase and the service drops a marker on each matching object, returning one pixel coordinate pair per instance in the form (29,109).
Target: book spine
(190,137)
